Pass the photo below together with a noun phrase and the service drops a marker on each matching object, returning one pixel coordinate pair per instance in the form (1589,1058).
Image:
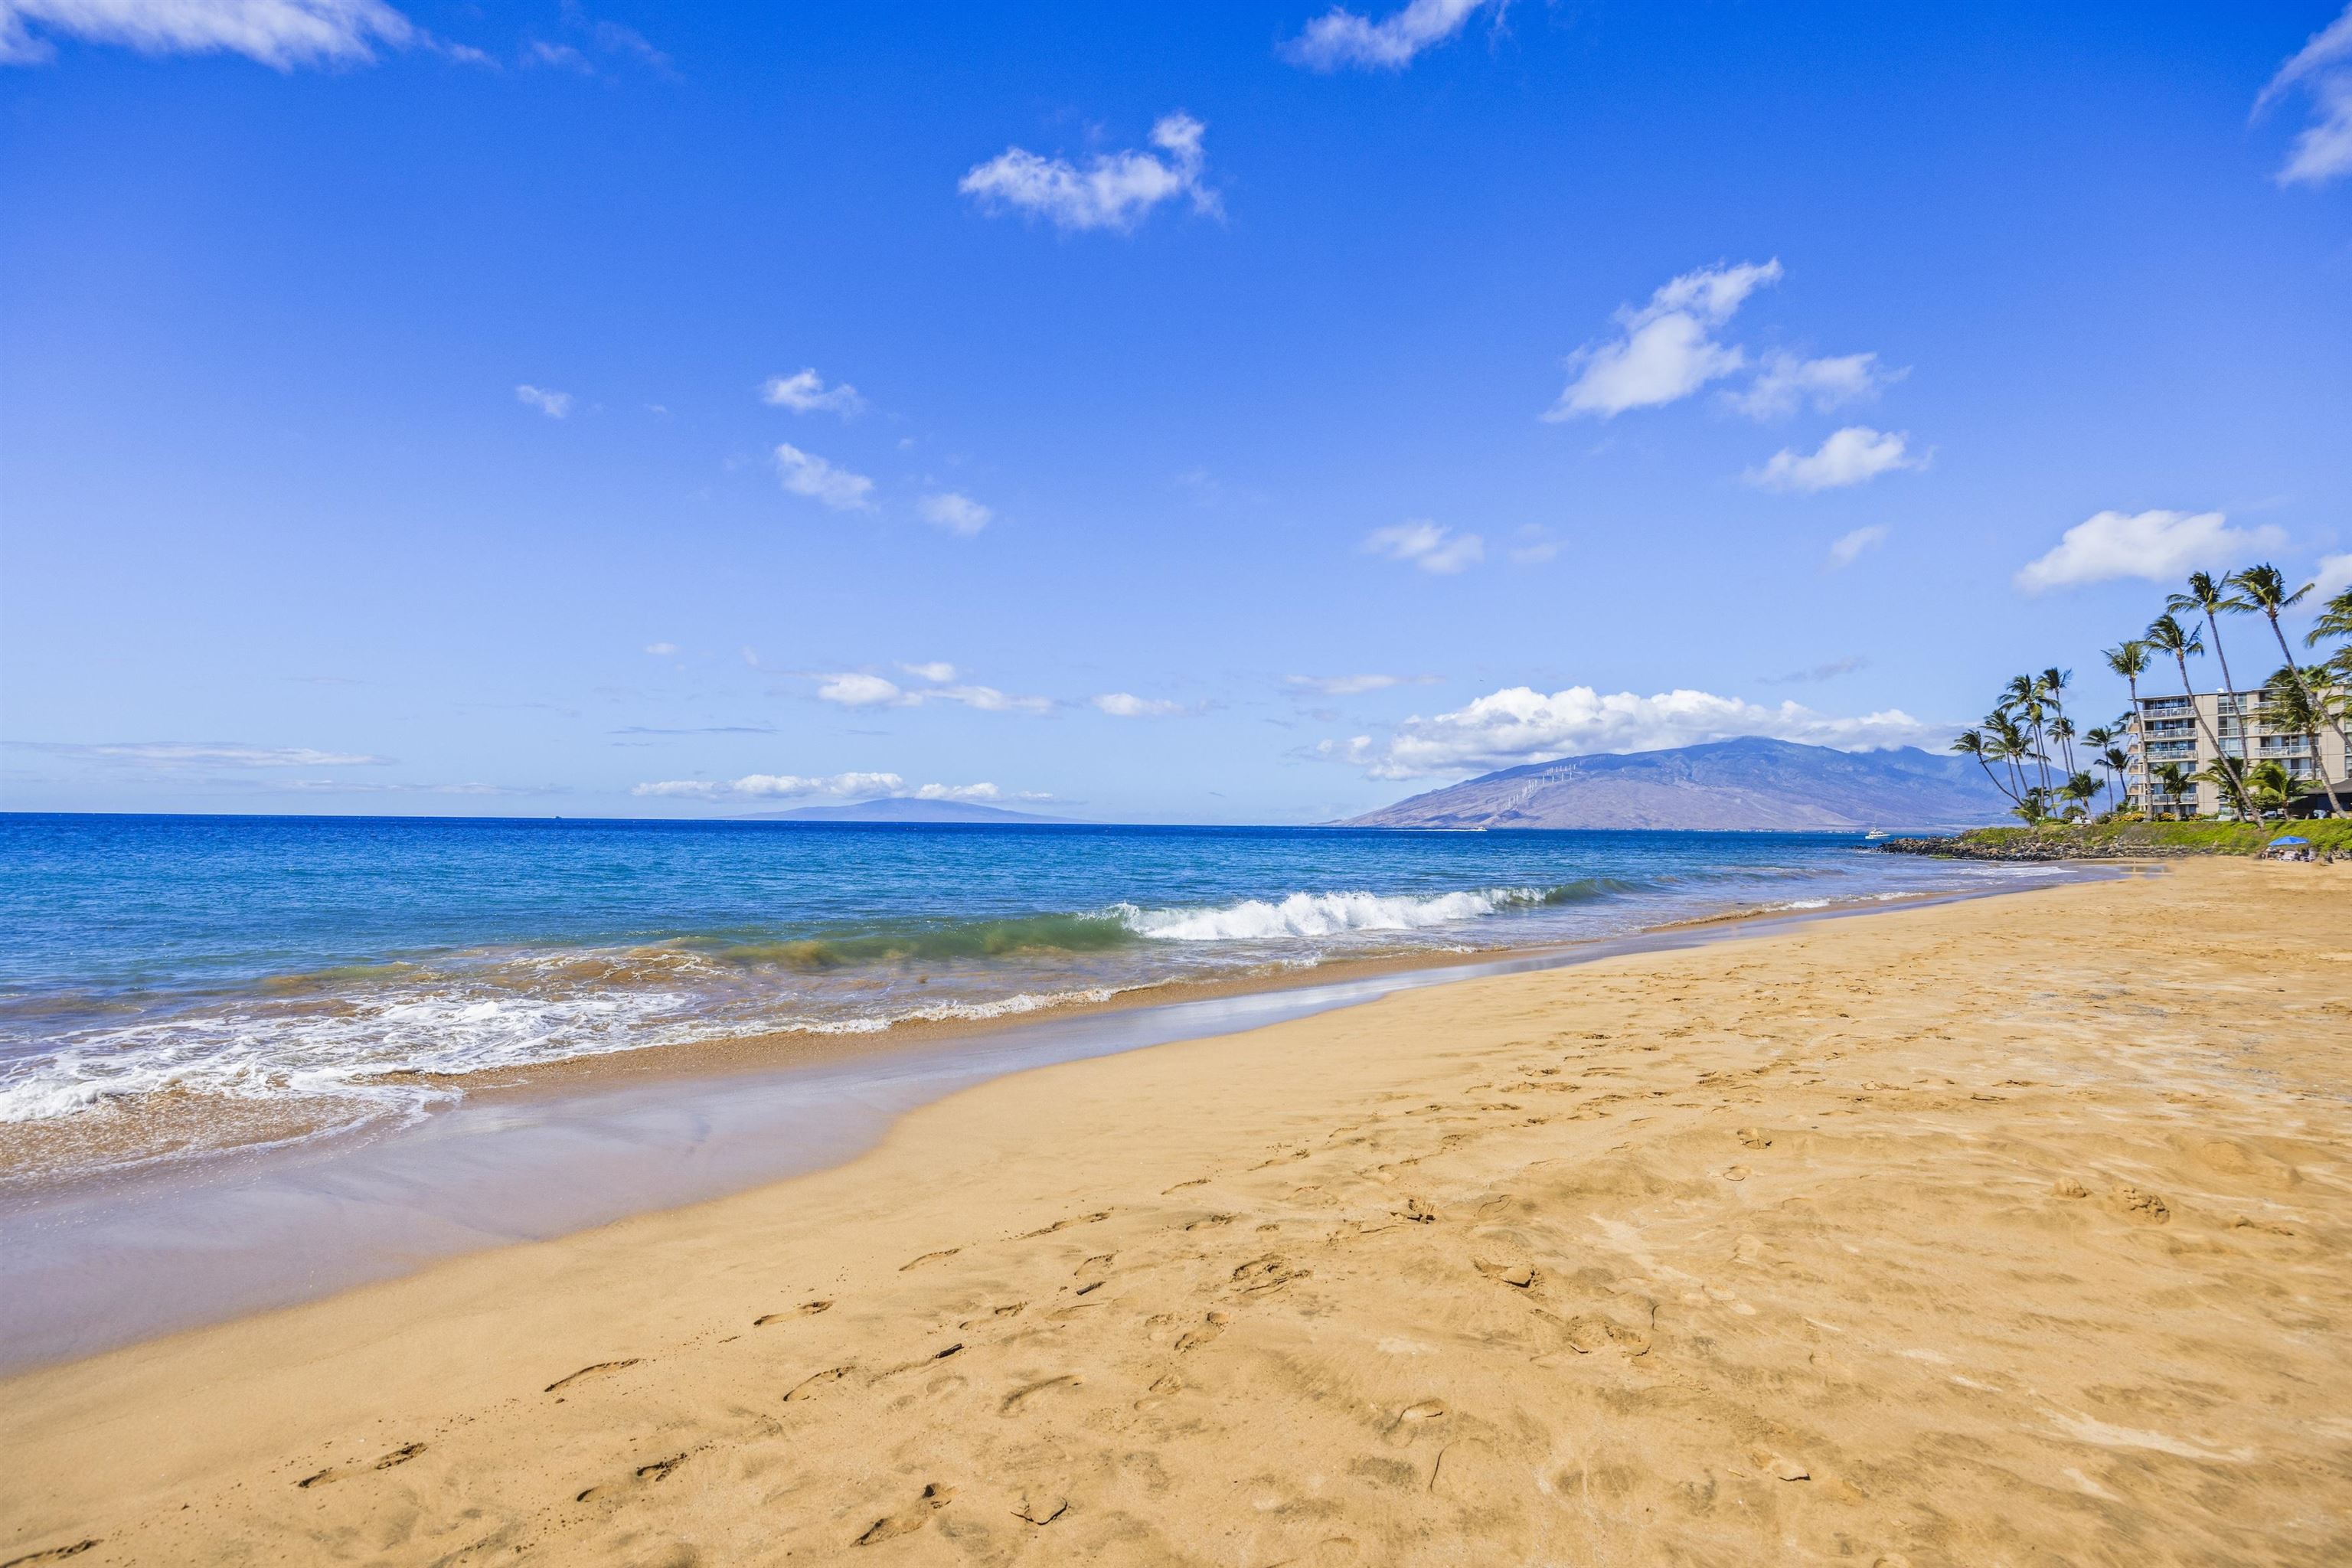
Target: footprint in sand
(2068,1187)
(1207,1331)
(806,1309)
(1418,1212)
(1519,1275)
(1063,1224)
(909,1519)
(930,1257)
(398,1456)
(814,1384)
(644,1475)
(1011,1310)
(1195,1181)
(1755,1138)
(1042,1508)
(1011,1401)
(599,1369)
(1271,1272)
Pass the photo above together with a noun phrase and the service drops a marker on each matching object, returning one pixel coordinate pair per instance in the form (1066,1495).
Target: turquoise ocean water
(328,963)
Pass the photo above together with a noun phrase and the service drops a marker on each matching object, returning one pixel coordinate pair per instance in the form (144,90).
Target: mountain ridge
(1751,784)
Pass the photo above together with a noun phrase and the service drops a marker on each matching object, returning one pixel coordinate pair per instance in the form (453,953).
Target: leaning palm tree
(2263,588)
(1972,744)
(2211,598)
(2009,742)
(2167,635)
(2129,659)
(2062,730)
(2335,620)
(2022,701)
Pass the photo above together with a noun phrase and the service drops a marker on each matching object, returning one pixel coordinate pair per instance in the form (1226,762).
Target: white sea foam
(1320,915)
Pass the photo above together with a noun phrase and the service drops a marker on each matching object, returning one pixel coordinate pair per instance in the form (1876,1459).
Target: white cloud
(806,474)
(1340,37)
(806,393)
(661,649)
(1127,705)
(1850,456)
(758,787)
(858,690)
(1427,545)
(554,404)
(1520,724)
(833,786)
(2322,68)
(1355,685)
(1114,191)
(956,513)
(1785,381)
(936,672)
(2335,575)
(1848,547)
(1536,545)
(1667,350)
(218,753)
(539,52)
(282,34)
(2155,547)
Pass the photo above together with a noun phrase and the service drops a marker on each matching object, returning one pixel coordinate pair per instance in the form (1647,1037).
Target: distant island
(897,809)
(1750,785)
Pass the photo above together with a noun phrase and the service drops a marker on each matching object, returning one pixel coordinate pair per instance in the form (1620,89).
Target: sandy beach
(2003,1231)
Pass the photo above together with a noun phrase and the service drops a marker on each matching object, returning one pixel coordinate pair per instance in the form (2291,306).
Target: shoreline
(181,1244)
(1977,1232)
(68,1154)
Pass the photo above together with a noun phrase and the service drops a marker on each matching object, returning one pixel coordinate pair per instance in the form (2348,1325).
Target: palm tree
(2129,659)
(2270,783)
(2050,686)
(2009,744)
(2211,598)
(2119,764)
(2335,620)
(1971,743)
(2082,789)
(2289,706)
(2263,588)
(2175,780)
(2022,700)
(2166,634)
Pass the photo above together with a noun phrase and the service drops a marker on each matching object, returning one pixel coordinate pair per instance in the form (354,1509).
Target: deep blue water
(301,958)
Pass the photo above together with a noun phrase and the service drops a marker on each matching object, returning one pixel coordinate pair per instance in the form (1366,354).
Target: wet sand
(2004,1230)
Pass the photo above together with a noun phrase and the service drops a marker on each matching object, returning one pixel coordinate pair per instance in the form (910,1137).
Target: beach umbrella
(2290,838)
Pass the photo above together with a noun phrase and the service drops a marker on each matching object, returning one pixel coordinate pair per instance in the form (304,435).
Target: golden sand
(2004,1232)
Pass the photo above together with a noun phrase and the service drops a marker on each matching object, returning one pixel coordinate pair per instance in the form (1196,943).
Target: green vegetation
(2093,840)
(2028,729)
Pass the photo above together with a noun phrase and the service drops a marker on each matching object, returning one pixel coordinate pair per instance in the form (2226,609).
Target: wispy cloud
(1127,705)
(1853,455)
(1114,191)
(281,34)
(554,404)
(806,474)
(208,753)
(1847,547)
(2322,69)
(804,392)
(2154,546)
(832,786)
(937,671)
(1533,545)
(1665,349)
(1785,381)
(1339,37)
(1829,671)
(860,690)
(956,513)
(661,649)
(1520,724)
(1428,545)
(1354,685)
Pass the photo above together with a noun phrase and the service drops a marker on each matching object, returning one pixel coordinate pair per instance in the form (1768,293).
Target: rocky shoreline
(1966,848)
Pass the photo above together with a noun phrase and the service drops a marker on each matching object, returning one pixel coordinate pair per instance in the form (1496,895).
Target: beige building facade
(2183,729)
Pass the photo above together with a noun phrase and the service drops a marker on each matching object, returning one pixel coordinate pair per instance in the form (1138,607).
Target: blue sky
(1216,413)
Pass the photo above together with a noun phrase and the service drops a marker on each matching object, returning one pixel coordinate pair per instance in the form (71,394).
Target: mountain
(899,810)
(1748,784)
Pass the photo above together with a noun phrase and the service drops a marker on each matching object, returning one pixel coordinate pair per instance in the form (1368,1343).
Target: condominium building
(2185,730)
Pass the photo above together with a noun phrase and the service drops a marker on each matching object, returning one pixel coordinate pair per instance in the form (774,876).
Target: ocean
(172,983)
